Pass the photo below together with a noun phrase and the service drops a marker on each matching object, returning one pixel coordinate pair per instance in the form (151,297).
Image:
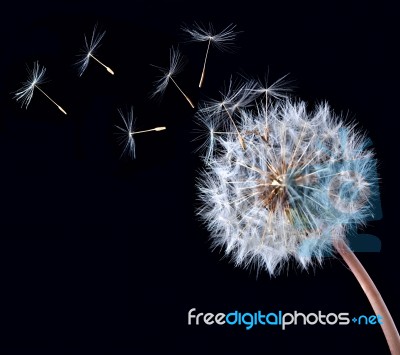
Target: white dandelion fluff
(223,112)
(277,90)
(222,40)
(125,136)
(126,132)
(36,77)
(176,65)
(89,50)
(279,197)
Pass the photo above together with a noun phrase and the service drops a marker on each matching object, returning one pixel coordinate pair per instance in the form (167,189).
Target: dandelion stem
(157,129)
(186,97)
(55,103)
(204,64)
(105,66)
(373,295)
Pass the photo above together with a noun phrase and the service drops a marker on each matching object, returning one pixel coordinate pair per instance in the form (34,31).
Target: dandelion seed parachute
(125,136)
(89,50)
(176,65)
(222,40)
(36,76)
(127,132)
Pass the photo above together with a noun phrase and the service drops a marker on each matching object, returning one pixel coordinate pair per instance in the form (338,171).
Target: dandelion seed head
(303,179)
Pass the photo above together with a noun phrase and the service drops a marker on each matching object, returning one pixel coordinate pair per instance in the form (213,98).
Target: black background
(102,254)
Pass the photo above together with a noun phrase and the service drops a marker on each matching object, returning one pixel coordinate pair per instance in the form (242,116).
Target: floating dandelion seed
(125,136)
(175,67)
(222,40)
(291,190)
(88,51)
(35,78)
